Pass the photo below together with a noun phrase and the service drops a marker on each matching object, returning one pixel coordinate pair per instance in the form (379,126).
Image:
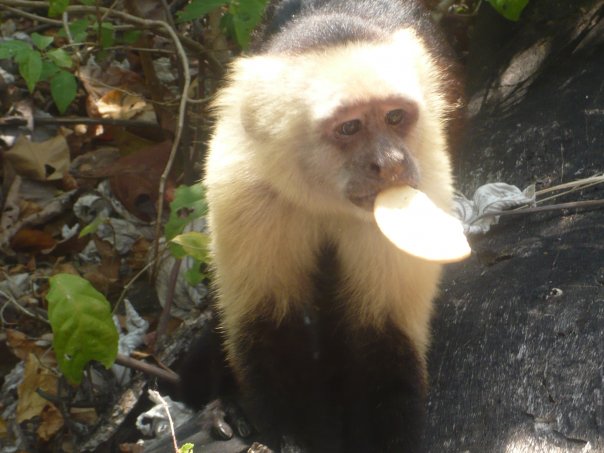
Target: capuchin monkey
(325,323)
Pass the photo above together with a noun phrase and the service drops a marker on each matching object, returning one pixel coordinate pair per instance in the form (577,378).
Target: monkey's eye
(349,127)
(394,117)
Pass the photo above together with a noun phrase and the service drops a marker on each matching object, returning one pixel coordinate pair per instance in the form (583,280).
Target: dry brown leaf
(42,161)
(131,448)
(98,81)
(51,421)
(3,429)
(35,376)
(29,240)
(11,208)
(135,179)
(87,165)
(21,345)
(65,268)
(28,208)
(139,254)
(86,415)
(117,104)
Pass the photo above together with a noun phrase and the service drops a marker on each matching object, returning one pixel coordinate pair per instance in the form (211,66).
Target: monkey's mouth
(366,198)
(364,201)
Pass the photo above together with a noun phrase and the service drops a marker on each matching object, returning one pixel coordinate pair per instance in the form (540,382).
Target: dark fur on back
(333,374)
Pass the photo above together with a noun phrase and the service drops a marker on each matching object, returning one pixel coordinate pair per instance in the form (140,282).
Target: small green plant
(510,9)
(38,62)
(186,448)
(188,205)
(107,34)
(82,325)
(79,28)
(239,19)
(93,226)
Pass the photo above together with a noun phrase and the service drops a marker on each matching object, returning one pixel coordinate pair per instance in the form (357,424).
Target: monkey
(325,324)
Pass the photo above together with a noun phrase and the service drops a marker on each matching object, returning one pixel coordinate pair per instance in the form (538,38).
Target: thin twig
(596,179)
(178,133)
(586,204)
(569,191)
(32,16)
(162,324)
(147,368)
(169,18)
(141,49)
(130,283)
(167,409)
(10,298)
(50,210)
(76,50)
(572,186)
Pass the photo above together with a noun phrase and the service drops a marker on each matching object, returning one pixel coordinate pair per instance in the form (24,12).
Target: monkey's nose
(395,172)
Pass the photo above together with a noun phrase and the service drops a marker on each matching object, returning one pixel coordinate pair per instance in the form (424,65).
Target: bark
(518,353)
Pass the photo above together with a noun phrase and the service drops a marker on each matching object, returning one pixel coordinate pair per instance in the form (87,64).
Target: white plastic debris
(478,214)
(68,232)
(164,69)
(90,254)
(91,205)
(14,287)
(123,232)
(8,409)
(120,233)
(136,328)
(155,423)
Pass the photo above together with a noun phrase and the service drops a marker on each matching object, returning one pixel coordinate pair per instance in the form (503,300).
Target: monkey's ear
(266,96)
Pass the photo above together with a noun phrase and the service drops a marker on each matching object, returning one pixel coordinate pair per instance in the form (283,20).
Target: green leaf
(131,36)
(194,244)
(40,41)
(510,9)
(57,7)
(78,29)
(82,325)
(186,448)
(199,8)
(60,58)
(193,275)
(107,35)
(63,88)
(12,48)
(30,67)
(49,69)
(189,204)
(93,226)
(246,16)
(5,52)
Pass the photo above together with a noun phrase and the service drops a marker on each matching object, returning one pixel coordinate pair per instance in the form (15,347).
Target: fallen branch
(12,121)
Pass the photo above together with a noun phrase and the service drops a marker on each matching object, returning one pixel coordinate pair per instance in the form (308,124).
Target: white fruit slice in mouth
(412,222)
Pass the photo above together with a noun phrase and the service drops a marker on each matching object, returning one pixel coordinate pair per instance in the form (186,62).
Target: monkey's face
(371,140)
(329,130)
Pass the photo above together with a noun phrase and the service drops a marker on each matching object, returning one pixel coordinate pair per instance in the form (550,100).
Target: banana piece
(412,222)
